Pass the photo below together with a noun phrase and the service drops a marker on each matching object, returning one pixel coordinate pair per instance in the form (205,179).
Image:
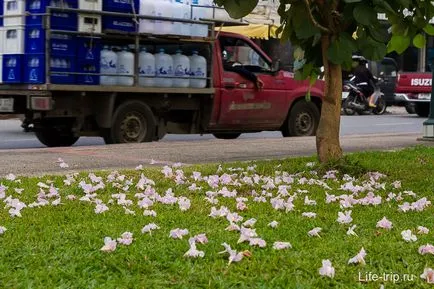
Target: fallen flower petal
(109,245)
(273,224)
(385,224)
(178,233)
(359,258)
(351,232)
(426,249)
(422,230)
(428,275)
(281,245)
(314,232)
(408,236)
(2,230)
(327,269)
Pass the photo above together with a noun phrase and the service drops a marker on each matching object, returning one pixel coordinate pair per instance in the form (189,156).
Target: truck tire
(410,108)
(422,109)
(133,122)
(302,120)
(55,136)
(226,135)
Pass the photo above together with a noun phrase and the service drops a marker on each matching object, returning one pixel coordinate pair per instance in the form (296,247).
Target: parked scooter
(356,101)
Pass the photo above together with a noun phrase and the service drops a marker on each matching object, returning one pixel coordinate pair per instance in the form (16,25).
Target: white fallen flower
(314,232)
(193,252)
(258,242)
(233,227)
(10,177)
(351,232)
(281,245)
(109,245)
(234,256)
(250,223)
(422,230)
(149,213)
(359,258)
(201,239)
(2,230)
(344,217)
(327,269)
(309,202)
(178,233)
(428,275)
(385,224)
(149,228)
(273,224)
(126,239)
(408,236)
(309,215)
(426,249)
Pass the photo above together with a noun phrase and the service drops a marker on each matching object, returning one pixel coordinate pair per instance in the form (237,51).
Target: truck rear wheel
(422,109)
(56,133)
(133,122)
(302,120)
(226,135)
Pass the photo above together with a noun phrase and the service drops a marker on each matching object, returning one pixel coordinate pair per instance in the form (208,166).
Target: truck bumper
(410,97)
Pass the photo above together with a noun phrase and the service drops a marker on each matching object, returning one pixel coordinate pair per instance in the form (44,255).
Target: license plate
(6,105)
(424,96)
(345,94)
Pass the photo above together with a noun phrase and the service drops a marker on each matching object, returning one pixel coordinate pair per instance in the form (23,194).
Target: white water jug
(147,8)
(164,69)
(146,69)
(163,8)
(125,68)
(221,14)
(182,10)
(181,64)
(108,65)
(198,13)
(198,68)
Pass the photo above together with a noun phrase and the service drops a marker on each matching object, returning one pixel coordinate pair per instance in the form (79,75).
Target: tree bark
(327,137)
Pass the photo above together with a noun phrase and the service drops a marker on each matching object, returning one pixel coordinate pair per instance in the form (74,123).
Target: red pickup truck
(415,88)
(229,105)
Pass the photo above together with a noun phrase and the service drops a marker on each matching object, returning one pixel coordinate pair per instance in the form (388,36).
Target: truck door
(242,104)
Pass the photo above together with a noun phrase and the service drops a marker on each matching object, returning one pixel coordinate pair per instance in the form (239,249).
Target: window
(238,52)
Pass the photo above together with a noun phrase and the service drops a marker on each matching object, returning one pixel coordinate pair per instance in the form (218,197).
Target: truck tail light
(41,103)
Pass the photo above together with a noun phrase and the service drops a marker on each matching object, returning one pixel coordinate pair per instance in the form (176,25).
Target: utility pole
(428,125)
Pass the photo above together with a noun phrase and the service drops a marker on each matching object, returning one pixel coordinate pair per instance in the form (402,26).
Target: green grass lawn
(58,246)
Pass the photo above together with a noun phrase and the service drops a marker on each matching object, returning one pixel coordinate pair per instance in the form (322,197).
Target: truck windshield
(238,52)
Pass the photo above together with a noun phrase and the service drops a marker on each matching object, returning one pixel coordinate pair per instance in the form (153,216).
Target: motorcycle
(356,101)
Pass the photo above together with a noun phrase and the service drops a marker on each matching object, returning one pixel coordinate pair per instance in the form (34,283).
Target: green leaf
(238,8)
(303,28)
(341,49)
(419,41)
(364,14)
(372,49)
(398,43)
(352,1)
(429,29)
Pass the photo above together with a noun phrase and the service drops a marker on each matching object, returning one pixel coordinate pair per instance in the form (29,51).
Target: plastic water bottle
(147,8)
(198,68)
(108,65)
(146,69)
(164,69)
(163,8)
(182,11)
(125,67)
(198,13)
(181,64)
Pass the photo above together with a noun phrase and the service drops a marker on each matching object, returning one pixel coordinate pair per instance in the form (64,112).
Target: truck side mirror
(276,65)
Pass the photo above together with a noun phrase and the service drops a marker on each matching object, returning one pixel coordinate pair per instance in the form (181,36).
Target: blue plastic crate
(60,44)
(125,6)
(40,6)
(59,20)
(88,48)
(88,67)
(34,69)
(126,24)
(12,68)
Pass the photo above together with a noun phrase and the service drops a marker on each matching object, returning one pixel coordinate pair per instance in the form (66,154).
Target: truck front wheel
(226,135)
(55,134)
(133,122)
(422,109)
(302,120)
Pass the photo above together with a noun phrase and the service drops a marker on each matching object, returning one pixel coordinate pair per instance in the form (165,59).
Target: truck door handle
(230,85)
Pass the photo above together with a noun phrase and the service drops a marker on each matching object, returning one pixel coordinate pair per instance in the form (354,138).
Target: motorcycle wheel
(347,110)
(381,107)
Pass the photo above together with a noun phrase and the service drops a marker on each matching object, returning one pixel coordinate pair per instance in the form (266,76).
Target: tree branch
(312,18)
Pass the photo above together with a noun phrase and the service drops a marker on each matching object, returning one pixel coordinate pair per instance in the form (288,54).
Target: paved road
(396,121)
(21,153)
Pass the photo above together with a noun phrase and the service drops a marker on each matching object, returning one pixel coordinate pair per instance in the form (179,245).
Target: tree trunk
(327,136)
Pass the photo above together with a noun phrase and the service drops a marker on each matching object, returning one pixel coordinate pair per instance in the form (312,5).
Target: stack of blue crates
(120,23)
(62,47)
(89,51)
